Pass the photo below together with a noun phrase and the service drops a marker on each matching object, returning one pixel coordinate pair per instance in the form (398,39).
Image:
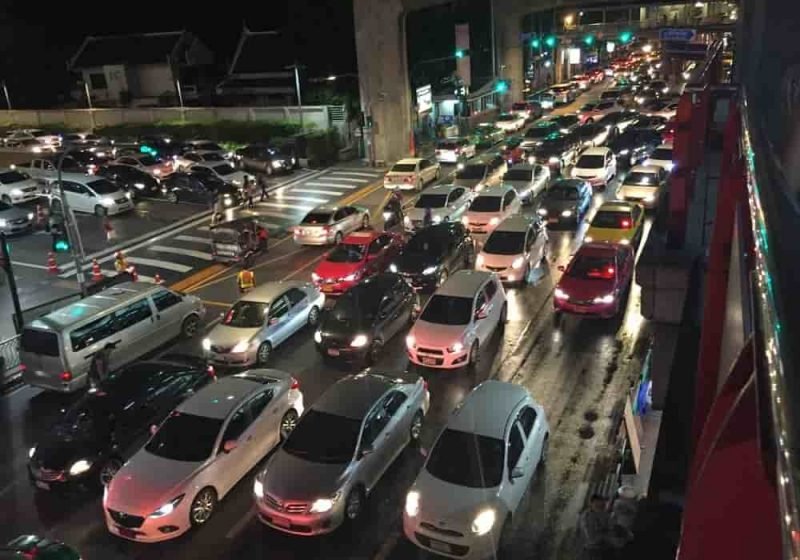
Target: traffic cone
(97,274)
(157,279)
(52,265)
(133,273)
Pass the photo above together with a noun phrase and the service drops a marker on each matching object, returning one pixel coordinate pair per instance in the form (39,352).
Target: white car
(661,157)
(17,186)
(203,145)
(489,208)
(459,318)
(473,481)
(18,138)
(326,225)
(147,163)
(225,171)
(563,93)
(411,173)
(199,453)
(454,150)
(528,180)
(597,166)
(643,184)
(514,248)
(446,202)
(665,109)
(90,194)
(510,122)
(186,160)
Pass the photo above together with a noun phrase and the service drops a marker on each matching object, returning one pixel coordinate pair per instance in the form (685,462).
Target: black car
(367,317)
(653,122)
(164,145)
(100,431)
(267,158)
(195,186)
(634,145)
(593,134)
(433,254)
(566,123)
(566,202)
(618,120)
(90,159)
(131,179)
(540,131)
(557,152)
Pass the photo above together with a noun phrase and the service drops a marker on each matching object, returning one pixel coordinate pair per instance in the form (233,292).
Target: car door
(397,406)
(278,328)
(168,313)
(264,431)
(353,218)
(533,430)
(74,193)
(391,312)
(298,309)
(511,204)
(229,467)
(137,330)
(457,203)
(482,327)
(374,449)
(516,459)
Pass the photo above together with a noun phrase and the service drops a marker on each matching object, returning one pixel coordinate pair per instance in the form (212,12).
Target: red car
(583,80)
(512,151)
(668,134)
(597,75)
(362,254)
(596,281)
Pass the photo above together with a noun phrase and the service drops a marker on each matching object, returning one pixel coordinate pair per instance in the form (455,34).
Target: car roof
(496,190)
(644,169)
(217,400)
(464,283)
(265,293)
(409,160)
(517,222)
(325,208)
(353,396)
(379,283)
(440,189)
(598,249)
(363,237)
(487,409)
(595,151)
(616,206)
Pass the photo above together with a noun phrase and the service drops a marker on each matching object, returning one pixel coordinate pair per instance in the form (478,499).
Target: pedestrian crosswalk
(189,248)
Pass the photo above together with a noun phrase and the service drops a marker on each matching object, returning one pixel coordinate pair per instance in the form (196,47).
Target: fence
(9,358)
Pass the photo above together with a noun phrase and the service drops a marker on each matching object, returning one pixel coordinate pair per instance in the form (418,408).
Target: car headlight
(359,341)
(350,277)
(276,164)
(241,346)
(139,186)
(412,503)
(206,344)
(553,160)
(608,298)
(167,508)
(156,172)
(318,336)
(430,270)
(37,150)
(669,166)
(16,192)
(386,216)
(518,262)
(392,267)
(588,239)
(566,213)
(531,160)
(494,221)
(479,260)
(465,220)
(3,222)
(460,166)
(227,201)
(31,452)
(79,467)
(315,277)
(323,505)
(560,294)
(484,522)
(407,221)
(650,198)
(258,489)
(106,201)
(129,195)
(625,241)
(542,211)
(411,342)
(30,215)
(457,346)
(624,152)
(437,219)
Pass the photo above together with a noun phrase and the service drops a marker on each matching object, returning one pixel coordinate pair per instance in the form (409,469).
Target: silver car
(260,321)
(338,452)
(528,180)
(330,224)
(446,202)
(14,220)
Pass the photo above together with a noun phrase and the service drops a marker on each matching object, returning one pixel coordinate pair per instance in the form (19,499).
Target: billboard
(424,99)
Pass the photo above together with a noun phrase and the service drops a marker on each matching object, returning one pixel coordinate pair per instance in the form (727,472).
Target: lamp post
(89,102)
(296,67)
(5,92)
(70,223)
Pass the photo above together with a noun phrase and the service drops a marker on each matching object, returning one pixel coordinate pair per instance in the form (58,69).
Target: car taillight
(211,372)
(625,224)
(23,368)
(295,384)
(66,376)
(408,179)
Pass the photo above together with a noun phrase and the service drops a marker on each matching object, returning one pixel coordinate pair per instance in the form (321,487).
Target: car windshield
(224,169)
(590,162)
(245,315)
(562,193)
(404,168)
(592,267)
(185,437)
(317,218)
(471,172)
(446,146)
(103,186)
(486,204)
(507,117)
(431,201)
(505,243)
(639,178)
(448,310)
(518,175)
(612,219)
(208,146)
(321,437)
(425,244)
(538,132)
(347,253)
(662,154)
(466,459)
(609,95)
(12,177)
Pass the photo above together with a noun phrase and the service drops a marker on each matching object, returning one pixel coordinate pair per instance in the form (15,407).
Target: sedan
(539,132)
(617,221)
(147,163)
(261,320)
(267,158)
(597,166)
(661,157)
(366,318)
(644,185)
(510,122)
(199,453)
(433,254)
(634,145)
(187,159)
(528,180)
(592,135)
(557,152)
(566,201)
(17,186)
(31,546)
(445,203)
(412,173)
(593,111)
(131,179)
(224,171)
(325,225)
(481,172)
(454,150)
(200,188)
(14,219)
(322,475)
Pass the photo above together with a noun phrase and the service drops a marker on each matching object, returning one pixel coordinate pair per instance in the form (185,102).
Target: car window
(508,199)
(455,194)
(480,300)
(491,290)
(394,401)
(339,215)
(164,299)
(237,424)
(515,447)
(90,333)
(132,314)
(279,308)
(295,296)
(378,244)
(375,423)
(257,404)
(527,418)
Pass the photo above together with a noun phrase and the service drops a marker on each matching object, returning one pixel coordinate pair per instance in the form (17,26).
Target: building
(142,69)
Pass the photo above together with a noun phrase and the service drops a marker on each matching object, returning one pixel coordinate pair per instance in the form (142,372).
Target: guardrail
(9,358)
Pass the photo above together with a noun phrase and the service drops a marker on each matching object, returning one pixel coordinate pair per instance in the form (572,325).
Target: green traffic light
(459,53)
(625,37)
(501,87)
(536,43)
(61,246)
(589,40)
(550,41)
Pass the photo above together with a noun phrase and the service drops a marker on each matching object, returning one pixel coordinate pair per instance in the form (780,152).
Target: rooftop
(217,400)
(486,410)
(133,49)
(354,395)
(464,283)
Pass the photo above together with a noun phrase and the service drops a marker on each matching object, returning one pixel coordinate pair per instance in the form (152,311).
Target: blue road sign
(677,34)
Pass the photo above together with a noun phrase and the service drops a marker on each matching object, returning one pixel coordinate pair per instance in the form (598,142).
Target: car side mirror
(153,429)
(561,268)
(517,472)
(229,445)
(366,450)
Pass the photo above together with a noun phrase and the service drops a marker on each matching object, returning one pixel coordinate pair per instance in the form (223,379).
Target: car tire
(415,429)
(443,275)
(189,326)
(313,316)
(108,470)
(172,197)
(365,222)
(474,355)
(337,238)
(203,506)
(263,353)
(354,505)
(503,316)
(288,423)
(100,211)
(6,199)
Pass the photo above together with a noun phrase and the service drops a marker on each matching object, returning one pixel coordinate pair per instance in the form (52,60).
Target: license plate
(333,352)
(42,485)
(429,361)
(327,288)
(281,522)
(552,220)
(128,533)
(440,546)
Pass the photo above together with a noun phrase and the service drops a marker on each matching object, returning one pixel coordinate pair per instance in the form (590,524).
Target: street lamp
(69,222)
(568,19)
(296,69)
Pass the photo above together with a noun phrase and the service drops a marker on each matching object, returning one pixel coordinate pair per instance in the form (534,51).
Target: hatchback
(566,202)
(491,207)
(454,150)
(517,246)
(91,194)
(528,180)
(597,166)
(433,254)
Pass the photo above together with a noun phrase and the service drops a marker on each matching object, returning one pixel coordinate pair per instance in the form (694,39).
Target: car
(661,157)
(260,321)
(32,546)
(198,454)
(322,475)
(530,110)
(329,224)
(360,255)
(512,150)
(644,185)
(515,247)
(668,134)
(31,145)
(660,87)
(131,179)
(566,123)
(489,208)
(224,171)
(94,436)
(611,95)
(475,478)
(457,321)
(202,145)
(17,186)
(618,120)
(597,75)
(15,220)
(528,180)
(645,98)
(545,99)
(592,135)
(412,173)
(593,111)
(597,166)
(539,132)
(510,122)
(557,152)
(564,93)
(481,172)
(487,134)
(84,140)
(649,122)
(366,318)
(634,145)
(433,254)
(617,221)
(596,281)
(566,201)
(200,188)
(45,169)
(32,137)
(90,194)
(447,203)
(267,158)
(86,160)
(583,81)
(454,150)
(149,164)
(187,159)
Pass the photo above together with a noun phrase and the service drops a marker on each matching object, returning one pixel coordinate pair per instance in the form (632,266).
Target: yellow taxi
(617,221)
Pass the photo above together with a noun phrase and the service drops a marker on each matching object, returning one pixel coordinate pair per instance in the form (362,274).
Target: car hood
(290,478)
(468,183)
(419,213)
(223,335)
(495,260)
(13,213)
(553,205)
(589,171)
(20,184)
(582,289)
(434,334)
(147,482)
(450,506)
(58,452)
(328,269)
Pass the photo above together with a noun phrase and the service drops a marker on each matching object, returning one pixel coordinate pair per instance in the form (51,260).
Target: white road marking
(141,277)
(31,265)
(301,198)
(300,207)
(157,263)
(356,173)
(347,179)
(317,191)
(204,228)
(329,185)
(193,239)
(179,251)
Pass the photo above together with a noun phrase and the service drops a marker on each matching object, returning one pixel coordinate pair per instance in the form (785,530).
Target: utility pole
(89,102)
(71,224)
(8,98)
(12,283)
(296,68)
(180,99)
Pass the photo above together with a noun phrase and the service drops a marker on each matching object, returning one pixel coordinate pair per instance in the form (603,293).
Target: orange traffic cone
(52,265)
(157,279)
(133,273)
(97,274)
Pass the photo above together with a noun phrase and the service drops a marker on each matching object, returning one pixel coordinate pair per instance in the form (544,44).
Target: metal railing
(9,357)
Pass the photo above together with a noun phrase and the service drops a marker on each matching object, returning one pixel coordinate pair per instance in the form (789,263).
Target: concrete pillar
(383,77)
(508,16)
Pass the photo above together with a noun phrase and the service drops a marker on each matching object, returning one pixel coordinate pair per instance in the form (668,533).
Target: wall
(153,80)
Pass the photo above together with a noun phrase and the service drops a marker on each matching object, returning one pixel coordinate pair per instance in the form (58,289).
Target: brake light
(408,179)
(610,271)
(625,223)
(295,384)
(66,376)
(23,368)
(211,372)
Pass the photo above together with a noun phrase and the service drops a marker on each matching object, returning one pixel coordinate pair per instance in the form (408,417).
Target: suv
(433,253)
(458,319)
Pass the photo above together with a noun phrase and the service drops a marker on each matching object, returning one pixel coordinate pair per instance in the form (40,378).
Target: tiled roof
(143,48)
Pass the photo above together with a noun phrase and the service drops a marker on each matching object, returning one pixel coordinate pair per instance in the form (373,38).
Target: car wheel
(263,353)
(545,449)
(415,430)
(189,326)
(6,199)
(288,423)
(337,238)
(374,352)
(172,197)
(365,222)
(203,506)
(108,470)
(473,355)
(354,505)
(100,211)
(503,316)
(443,276)
(313,316)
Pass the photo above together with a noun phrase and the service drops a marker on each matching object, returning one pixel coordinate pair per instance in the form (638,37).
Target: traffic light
(589,40)
(459,53)
(536,43)
(145,149)
(550,41)
(625,37)
(60,241)
(501,86)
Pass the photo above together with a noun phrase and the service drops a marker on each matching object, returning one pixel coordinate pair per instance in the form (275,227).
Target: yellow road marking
(215,280)
(198,277)
(216,303)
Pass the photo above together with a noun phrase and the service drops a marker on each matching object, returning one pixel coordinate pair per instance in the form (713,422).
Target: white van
(91,194)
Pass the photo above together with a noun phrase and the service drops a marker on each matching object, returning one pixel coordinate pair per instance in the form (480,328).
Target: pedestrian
(623,516)
(120,264)
(427,220)
(219,209)
(99,367)
(109,230)
(595,529)
(246,279)
(262,181)
(263,236)
(250,192)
